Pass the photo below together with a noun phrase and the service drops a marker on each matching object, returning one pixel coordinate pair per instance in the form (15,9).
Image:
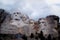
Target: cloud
(35,9)
(51,2)
(54,6)
(8,4)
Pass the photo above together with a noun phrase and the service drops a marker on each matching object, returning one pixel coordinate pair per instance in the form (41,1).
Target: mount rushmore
(20,23)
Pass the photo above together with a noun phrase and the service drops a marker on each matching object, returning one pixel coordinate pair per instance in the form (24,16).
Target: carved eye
(17,13)
(14,13)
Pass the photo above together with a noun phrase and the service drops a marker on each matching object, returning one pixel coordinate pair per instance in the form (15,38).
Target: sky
(35,9)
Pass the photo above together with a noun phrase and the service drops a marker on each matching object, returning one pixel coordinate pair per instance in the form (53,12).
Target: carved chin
(14,23)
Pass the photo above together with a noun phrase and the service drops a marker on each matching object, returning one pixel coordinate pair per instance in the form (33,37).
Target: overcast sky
(33,8)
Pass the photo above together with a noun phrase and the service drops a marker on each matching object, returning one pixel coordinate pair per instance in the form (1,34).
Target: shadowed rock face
(54,20)
(54,17)
(44,26)
(3,15)
(53,24)
(47,26)
(5,19)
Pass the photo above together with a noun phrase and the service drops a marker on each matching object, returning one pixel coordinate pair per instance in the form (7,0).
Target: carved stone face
(24,17)
(48,26)
(16,19)
(31,22)
(43,22)
(19,19)
(52,23)
(44,26)
(16,16)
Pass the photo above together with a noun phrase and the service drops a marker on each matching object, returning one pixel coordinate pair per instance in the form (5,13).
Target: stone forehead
(42,19)
(50,19)
(17,14)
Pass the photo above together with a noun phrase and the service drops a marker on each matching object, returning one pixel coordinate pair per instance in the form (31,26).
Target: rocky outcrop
(20,23)
(5,27)
(3,15)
